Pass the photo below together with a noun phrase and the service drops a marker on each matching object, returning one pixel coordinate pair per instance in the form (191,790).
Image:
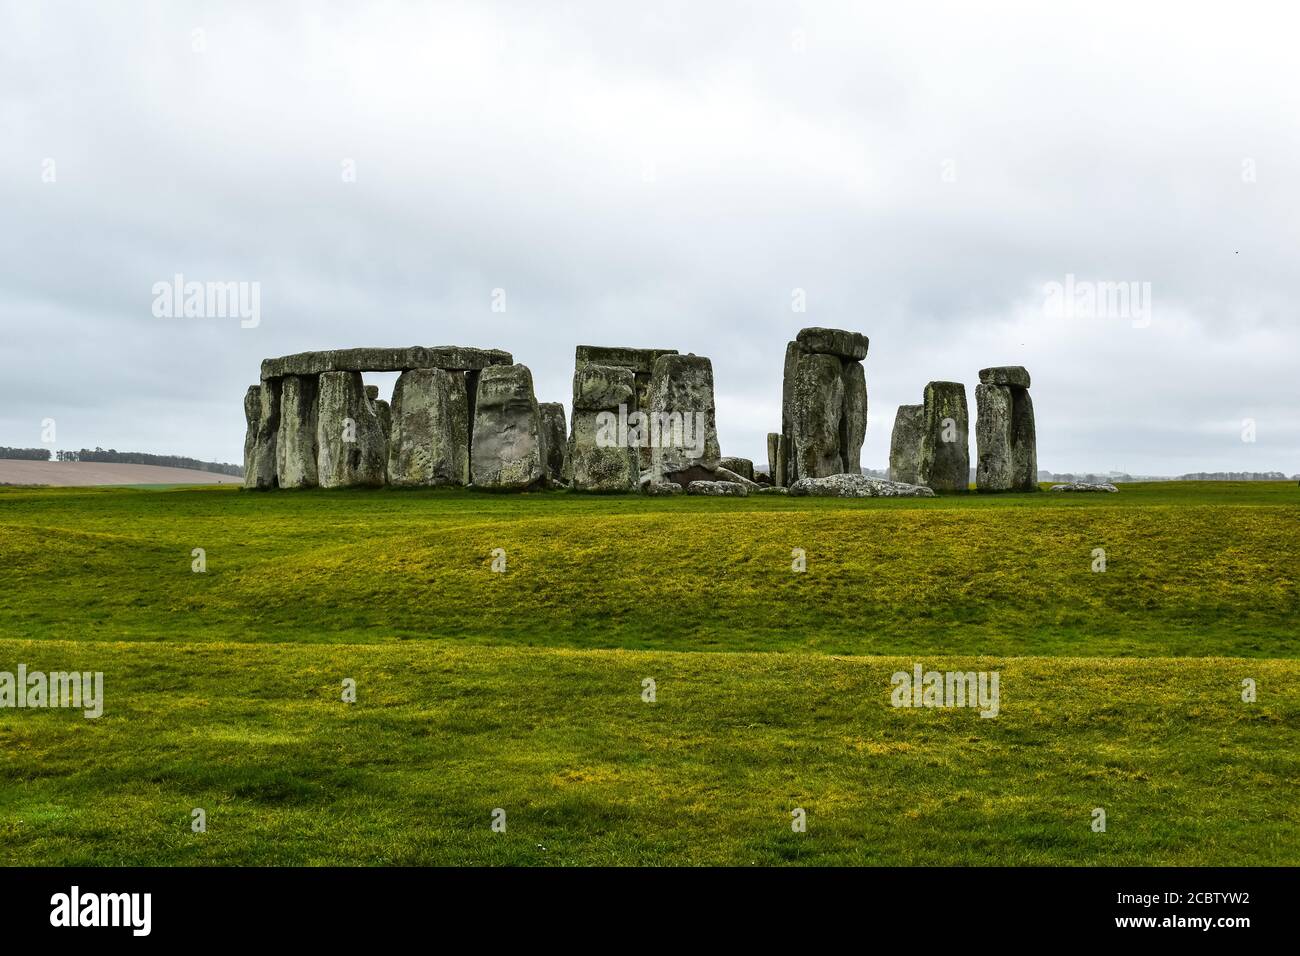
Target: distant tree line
(114,456)
(25,454)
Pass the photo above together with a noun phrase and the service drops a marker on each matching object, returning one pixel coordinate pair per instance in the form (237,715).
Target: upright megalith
(1005,436)
(641,362)
(681,423)
(352,449)
(601,457)
(296,450)
(555,439)
(905,444)
(507,445)
(429,437)
(262,417)
(945,438)
(823,407)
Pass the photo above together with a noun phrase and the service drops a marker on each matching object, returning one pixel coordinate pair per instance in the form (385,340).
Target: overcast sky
(662,175)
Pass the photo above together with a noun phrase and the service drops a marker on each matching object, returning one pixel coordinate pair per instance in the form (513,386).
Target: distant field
(522,690)
(1192,570)
(81,474)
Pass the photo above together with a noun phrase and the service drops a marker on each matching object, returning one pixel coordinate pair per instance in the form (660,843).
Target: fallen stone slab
(661,489)
(1015,375)
(770,490)
(1102,486)
(721,489)
(452,358)
(857,486)
(838,342)
(741,466)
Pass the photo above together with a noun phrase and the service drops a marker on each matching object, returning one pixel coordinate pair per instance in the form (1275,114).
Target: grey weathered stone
(448,357)
(600,459)
(774,465)
(1105,486)
(817,400)
(1015,375)
(945,438)
(555,440)
(429,434)
(994,467)
(682,425)
(790,368)
(507,443)
(853,423)
(296,450)
(741,466)
(1024,442)
(726,474)
(847,345)
(905,443)
(352,448)
(770,490)
(262,416)
(857,486)
(642,364)
(723,489)
(660,489)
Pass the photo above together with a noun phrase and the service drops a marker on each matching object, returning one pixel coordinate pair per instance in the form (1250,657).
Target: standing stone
(818,408)
(352,449)
(741,466)
(555,438)
(1005,433)
(262,416)
(905,444)
(775,467)
(945,438)
(1024,442)
(853,424)
(296,450)
(600,459)
(994,470)
(506,452)
(823,405)
(682,427)
(429,435)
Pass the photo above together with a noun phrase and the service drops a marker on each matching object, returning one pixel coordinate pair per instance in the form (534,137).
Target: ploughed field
(523,690)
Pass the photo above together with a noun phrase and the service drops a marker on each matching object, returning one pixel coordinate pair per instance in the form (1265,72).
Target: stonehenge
(823,407)
(640,420)
(1005,439)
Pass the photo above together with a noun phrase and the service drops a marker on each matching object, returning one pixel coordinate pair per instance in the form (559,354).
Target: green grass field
(522,690)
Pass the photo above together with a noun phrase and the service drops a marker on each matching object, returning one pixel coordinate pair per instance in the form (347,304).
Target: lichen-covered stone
(262,416)
(817,407)
(770,490)
(721,489)
(1024,442)
(994,468)
(846,345)
(600,459)
(507,442)
(1104,486)
(741,466)
(662,489)
(945,438)
(555,439)
(683,431)
(447,357)
(857,486)
(429,433)
(296,450)
(905,444)
(1015,375)
(352,449)
(853,423)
